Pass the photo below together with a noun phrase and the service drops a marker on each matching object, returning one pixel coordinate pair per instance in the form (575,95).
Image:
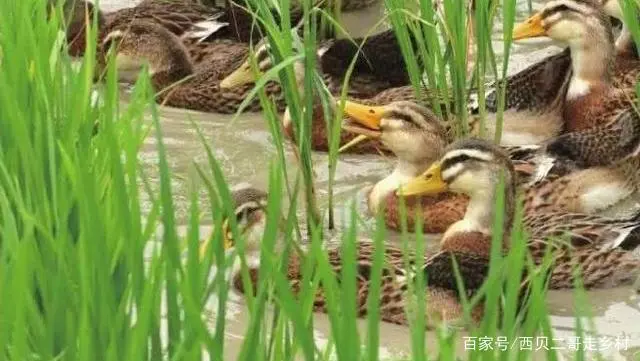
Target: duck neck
(480,217)
(402,173)
(592,64)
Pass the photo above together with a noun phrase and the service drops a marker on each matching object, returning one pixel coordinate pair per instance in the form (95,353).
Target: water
(244,148)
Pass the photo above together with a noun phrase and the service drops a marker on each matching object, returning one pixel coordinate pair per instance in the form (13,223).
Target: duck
(177,81)
(194,23)
(601,248)
(379,74)
(176,16)
(417,138)
(591,97)
(539,106)
(443,306)
(415,135)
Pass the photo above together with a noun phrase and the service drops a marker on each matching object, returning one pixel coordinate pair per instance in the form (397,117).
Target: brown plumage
(177,17)
(592,98)
(397,302)
(436,213)
(178,82)
(184,19)
(601,248)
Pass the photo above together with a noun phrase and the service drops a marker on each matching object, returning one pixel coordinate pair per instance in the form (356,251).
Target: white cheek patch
(464,182)
(452,172)
(264,65)
(392,124)
(321,51)
(564,30)
(471,153)
(253,236)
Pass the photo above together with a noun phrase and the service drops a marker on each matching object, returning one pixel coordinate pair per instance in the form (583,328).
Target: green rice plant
(84,275)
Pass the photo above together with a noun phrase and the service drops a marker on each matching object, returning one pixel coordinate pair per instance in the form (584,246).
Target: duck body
(592,96)
(175,78)
(177,17)
(395,305)
(399,270)
(435,213)
(603,249)
(593,190)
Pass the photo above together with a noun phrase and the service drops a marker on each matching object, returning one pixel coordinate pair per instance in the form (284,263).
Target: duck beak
(365,115)
(366,122)
(241,76)
(429,182)
(530,28)
(227,241)
(226,235)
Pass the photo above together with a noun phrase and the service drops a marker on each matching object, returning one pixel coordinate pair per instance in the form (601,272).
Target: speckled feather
(599,146)
(395,298)
(535,87)
(201,90)
(438,212)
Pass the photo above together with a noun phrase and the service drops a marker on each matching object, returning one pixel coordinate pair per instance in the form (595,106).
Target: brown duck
(602,249)
(174,77)
(443,303)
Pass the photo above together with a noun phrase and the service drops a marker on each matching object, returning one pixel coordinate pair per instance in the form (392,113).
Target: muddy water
(244,148)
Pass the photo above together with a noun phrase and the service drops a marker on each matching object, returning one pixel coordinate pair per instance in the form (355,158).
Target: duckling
(443,302)
(173,75)
(601,248)
(591,98)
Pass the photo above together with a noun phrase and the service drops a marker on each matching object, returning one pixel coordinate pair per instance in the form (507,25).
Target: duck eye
(462,158)
(405,118)
(241,215)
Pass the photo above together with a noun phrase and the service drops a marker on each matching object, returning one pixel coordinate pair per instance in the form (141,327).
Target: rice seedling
(84,276)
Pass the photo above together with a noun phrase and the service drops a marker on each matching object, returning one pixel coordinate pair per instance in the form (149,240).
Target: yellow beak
(429,182)
(226,236)
(530,28)
(241,76)
(365,115)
